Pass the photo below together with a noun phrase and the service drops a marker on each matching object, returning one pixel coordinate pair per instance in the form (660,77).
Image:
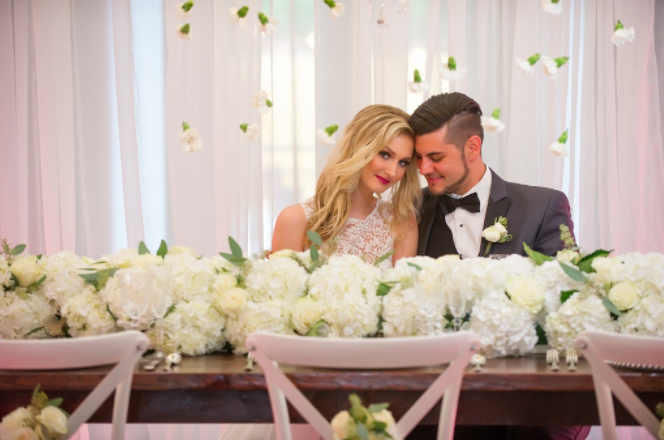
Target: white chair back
(270,349)
(123,349)
(598,347)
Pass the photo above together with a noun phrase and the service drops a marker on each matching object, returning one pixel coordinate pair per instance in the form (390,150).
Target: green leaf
(377,407)
(384,288)
(170,310)
(18,249)
(34,330)
(573,272)
(163,249)
(238,261)
(541,335)
(611,307)
(236,250)
(187,6)
(242,12)
(378,426)
(35,392)
(55,402)
(108,309)
(90,278)
(39,282)
(586,263)
(418,268)
(142,249)
(566,294)
(537,257)
(362,431)
(39,257)
(313,251)
(417,78)
(315,238)
(383,258)
(315,329)
(330,130)
(244,127)
(496,113)
(660,410)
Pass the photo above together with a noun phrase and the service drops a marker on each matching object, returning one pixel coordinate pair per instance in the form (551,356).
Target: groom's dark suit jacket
(534,215)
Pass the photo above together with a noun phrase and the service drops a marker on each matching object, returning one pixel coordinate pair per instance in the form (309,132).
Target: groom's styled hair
(461,114)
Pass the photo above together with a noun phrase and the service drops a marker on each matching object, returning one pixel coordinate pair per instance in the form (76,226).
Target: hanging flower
(239,16)
(450,71)
(401,6)
(493,122)
(260,102)
(551,66)
(553,7)
(381,25)
(418,85)
(526,66)
(337,8)
(559,148)
(267,23)
(184,31)
(182,9)
(326,135)
(190,139)
(621,35)
(251,131)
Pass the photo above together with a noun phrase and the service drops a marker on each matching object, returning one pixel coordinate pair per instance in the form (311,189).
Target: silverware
(571,358)
(552,358)
(477,361)
(172,360)
(153,364)
(250,362)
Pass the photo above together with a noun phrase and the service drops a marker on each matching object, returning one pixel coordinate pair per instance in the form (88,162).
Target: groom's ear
(473,148)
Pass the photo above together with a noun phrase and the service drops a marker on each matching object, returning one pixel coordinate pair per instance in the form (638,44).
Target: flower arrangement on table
(43,419)
(214,303)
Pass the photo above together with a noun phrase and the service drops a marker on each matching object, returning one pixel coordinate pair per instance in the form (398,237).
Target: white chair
(123,349)
(599,347)
(388,353)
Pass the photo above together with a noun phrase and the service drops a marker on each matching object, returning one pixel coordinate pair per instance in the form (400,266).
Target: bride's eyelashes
(386,155)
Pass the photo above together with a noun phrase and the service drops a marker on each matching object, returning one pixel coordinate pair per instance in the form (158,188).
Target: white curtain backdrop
(93,96)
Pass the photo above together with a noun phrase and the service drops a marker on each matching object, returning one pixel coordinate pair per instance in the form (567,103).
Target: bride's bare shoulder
(293,215)
(290,229)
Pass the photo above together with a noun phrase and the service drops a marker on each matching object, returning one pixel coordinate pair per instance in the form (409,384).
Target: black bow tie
(470,203)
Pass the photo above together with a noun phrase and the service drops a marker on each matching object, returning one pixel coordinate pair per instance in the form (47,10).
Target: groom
(464,196)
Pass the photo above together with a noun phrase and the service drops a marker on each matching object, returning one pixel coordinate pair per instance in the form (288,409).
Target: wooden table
(216,389)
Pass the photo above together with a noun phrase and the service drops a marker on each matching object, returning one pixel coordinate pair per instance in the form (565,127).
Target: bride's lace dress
(370,238)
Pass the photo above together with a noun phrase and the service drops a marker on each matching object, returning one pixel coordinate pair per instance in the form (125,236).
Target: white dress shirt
(467,226)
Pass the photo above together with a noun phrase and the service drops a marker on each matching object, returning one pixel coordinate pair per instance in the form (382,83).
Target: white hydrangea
(504,329)
(62,277)
(609,270)
(122,259)
(582,311)
(279,278)
(219,264)
(272,316)
(5,274)
(647,318)
(194,328)
(191,278)
(555,281)
(345,288)
(20,314)
(86,315)
(110,294)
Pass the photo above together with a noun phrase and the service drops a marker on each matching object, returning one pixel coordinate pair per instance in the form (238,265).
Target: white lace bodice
(370,238)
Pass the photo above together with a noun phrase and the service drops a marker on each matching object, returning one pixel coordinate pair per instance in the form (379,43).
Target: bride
(374,154)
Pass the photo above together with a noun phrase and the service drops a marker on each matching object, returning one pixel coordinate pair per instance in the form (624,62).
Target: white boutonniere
(496,233)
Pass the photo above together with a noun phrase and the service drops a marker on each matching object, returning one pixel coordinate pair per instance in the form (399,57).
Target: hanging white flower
(337,9)
(260,102)
(251,131)
(493,122)
(559,148)
(418,85)
(267,23)
(553,7)
(182,9)
(239,15)
(450,71)
(551,66)
(190,139)
(326,135)
(622,35)
(184,31)
(381,25)
(526,66)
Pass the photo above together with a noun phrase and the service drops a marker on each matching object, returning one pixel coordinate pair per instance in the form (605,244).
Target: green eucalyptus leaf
(611,307)
(33,331)
(418,268)
(236,250)
(566,294)
(142,249)
(362,431)
(586,263)
(163,249)
(314,330)
(313,251)
(383,258)
(39,282)
(384,288)
(541,335)
(377,407)
(537,257)
(315,238)
(573,272)
(55,402)
(170,310)
(39,257)
(18,249)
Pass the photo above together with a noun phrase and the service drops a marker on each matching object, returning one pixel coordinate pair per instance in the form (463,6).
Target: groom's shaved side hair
(461,115)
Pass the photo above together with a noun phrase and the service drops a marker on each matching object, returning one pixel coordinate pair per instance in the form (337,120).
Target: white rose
(16,419)
(231,302)
(178,250)
(567,256)
(340,424)
(284,253)
(386,417)
(225,281)
(558,149)
(622,36)
(492,124)
(54,420)
(624,295)
(550,67)
(526,292)
(306,313)
(22,434)
(190,138)
(492,234)
(25,270)
(525,66)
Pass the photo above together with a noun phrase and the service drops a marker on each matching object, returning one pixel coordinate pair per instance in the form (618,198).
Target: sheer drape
(93,96)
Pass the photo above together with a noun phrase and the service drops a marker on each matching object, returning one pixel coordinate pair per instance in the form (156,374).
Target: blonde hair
(363,138)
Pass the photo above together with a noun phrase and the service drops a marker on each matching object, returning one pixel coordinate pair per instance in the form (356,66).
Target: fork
(572,358)
(552,358)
